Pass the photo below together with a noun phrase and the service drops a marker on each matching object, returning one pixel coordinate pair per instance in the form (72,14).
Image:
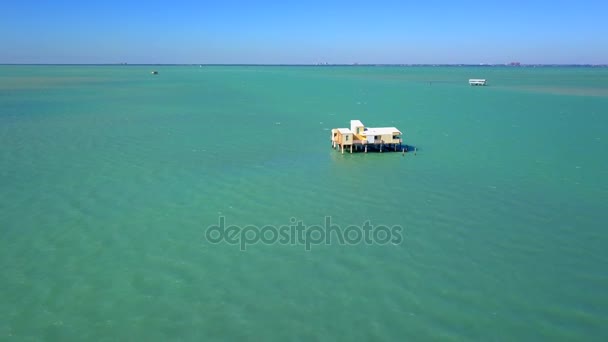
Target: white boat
(477,82)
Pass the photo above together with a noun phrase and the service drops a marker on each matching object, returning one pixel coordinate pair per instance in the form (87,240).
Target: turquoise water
(110,176)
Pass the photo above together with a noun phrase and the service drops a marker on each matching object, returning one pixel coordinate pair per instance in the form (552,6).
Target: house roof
(355,123)
(380,131)
(345,131)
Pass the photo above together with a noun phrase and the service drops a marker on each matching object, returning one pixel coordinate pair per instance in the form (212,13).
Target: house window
(395,137)
(376,137)
(346,139)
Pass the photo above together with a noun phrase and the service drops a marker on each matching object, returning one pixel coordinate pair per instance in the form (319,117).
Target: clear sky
(303,31)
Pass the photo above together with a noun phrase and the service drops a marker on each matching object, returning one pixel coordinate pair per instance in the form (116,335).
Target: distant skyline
(304,32)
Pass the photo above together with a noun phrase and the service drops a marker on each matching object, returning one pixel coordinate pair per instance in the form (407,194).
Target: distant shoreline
(318,65)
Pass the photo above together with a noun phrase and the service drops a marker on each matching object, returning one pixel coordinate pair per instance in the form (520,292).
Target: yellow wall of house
(346,139)
(340,138)
(388,139)
(358,129)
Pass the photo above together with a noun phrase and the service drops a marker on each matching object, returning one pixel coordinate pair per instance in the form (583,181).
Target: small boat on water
(477,82)
(154,72)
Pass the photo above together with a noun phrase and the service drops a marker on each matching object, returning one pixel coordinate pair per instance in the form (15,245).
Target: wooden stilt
(342,148)
(351,149)
(366,148)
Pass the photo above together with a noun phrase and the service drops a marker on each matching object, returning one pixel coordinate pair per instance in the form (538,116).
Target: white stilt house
(359,137)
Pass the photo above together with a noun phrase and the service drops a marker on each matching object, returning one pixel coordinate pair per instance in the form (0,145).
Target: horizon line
(510,64)
(515,64)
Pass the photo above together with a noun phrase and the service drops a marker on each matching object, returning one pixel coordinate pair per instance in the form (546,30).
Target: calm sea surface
(110,177)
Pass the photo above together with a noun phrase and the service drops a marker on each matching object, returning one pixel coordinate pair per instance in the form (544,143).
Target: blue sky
(294,32)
